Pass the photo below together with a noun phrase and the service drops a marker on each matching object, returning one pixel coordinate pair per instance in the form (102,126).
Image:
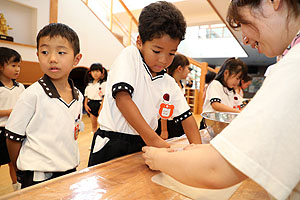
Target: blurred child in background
(94,92)
(220,94)
(10,90)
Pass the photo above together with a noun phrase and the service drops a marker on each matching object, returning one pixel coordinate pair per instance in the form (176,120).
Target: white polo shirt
(9,98)
(130,73)
(46,125)
(216,92)
(263,142)
(95,91)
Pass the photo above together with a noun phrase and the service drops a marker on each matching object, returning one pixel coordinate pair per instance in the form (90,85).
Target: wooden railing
(128,31)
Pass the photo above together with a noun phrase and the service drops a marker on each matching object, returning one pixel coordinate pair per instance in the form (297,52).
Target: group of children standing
(137,92)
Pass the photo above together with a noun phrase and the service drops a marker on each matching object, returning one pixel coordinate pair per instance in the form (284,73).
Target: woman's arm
(191,130)
(223,108)
(13,150)
(199,167)
(132,114)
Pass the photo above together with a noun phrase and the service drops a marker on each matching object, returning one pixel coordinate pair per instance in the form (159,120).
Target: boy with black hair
(42,129)
(139,92)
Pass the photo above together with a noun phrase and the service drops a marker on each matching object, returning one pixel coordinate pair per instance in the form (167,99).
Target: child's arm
(132,114)
(101,105)
(223,108)
(5,112)
(191,130)
(86,107)
(13,148)
(164,129)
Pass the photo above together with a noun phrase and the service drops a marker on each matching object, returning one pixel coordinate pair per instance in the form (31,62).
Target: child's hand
(87,109)
(164,135)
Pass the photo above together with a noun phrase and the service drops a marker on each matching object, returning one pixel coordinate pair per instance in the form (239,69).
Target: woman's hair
(95,67)
(179,59)
(8,55)
(234,66)
(235,18)
(247,78)
(160,18)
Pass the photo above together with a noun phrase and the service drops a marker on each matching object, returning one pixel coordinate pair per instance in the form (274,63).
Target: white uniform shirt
(95,91)
(131,74)
(46,124)
(216,92)
(263,142)
(9,98)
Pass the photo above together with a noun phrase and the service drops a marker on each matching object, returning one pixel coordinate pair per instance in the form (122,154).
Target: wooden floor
(84,141)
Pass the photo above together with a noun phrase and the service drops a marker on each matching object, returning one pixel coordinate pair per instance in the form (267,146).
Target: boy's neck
(61,84)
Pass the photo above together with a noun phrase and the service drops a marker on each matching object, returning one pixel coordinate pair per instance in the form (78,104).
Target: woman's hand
(151,155)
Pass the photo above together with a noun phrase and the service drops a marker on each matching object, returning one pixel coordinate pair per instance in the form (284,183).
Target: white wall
(96,41)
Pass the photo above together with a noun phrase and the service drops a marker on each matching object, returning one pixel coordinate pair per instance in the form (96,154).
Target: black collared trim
(51,91)
(215,100)
(15,84)
(183,116)
(158,75)
(68,105)
(243,105)
(13,136)
(121,87)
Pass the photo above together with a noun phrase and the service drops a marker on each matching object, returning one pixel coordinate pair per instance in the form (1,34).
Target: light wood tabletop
(123,178)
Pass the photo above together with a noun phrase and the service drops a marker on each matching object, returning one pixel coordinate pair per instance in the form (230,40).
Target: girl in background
(179,70)
(220,94)
(244,84)
(10,90)
(94,92)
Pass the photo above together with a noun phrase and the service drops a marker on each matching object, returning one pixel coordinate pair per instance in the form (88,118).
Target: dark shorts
(26,177)
(4,156)
(174,129)
(119,144)
(94,106)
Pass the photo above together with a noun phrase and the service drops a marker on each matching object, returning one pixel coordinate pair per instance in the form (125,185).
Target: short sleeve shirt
(130,73)
(46,123)
(9,98)
(95,91)
(216,92)
(263,142)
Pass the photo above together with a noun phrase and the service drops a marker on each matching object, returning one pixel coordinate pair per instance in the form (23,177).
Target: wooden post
(129,32)
(53,11)
(111,15)
(202,84)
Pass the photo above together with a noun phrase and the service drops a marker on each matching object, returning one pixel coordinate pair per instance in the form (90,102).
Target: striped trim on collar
(51,91)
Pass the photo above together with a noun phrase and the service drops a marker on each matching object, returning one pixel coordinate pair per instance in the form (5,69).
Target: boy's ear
(77,59)
(139,42)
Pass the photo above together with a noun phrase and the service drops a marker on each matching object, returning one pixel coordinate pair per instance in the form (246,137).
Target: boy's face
(56,57)
(10,70)
(158,53)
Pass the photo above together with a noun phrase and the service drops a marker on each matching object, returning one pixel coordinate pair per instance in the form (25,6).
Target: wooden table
(123,178)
